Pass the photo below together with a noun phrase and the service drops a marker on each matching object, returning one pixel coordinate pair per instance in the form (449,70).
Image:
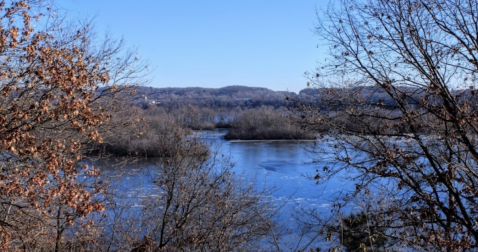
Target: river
(284,166)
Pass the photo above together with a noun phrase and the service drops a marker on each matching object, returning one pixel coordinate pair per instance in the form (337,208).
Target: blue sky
(213,43)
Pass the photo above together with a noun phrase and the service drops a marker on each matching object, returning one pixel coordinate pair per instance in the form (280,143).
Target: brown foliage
(50,107)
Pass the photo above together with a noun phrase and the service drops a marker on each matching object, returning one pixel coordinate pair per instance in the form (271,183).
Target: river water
(284,166)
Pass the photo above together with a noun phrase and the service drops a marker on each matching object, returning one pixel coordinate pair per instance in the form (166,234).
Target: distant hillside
(370,94)
(229,97)
(243,97)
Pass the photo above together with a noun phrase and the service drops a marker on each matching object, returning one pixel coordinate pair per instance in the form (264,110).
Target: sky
(213,43)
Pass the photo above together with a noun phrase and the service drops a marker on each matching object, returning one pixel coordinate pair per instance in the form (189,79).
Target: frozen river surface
(283,166)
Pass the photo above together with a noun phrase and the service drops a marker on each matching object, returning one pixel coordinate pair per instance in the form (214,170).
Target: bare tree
(200,205)
(416,145)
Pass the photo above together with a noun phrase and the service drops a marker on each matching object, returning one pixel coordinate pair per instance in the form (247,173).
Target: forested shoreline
(141,129)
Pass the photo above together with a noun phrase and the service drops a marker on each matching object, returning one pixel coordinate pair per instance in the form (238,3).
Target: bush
(266,123)
(140,133)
